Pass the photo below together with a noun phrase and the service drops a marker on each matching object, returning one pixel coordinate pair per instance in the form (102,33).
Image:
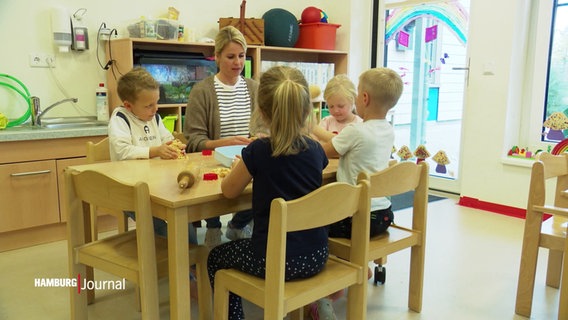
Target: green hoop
(25,95)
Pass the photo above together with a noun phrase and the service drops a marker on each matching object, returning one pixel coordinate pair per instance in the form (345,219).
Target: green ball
(280,28)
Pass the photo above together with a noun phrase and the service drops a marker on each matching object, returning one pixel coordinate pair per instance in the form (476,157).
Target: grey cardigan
(202,120)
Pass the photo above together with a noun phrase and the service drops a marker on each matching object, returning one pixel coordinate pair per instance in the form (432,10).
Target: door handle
(464,69)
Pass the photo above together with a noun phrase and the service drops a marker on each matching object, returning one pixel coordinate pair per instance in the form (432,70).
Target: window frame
(537,75)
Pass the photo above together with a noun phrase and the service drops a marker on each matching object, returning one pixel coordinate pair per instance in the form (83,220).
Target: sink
(71,122)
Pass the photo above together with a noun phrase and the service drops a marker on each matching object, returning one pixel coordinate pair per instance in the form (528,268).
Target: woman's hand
(228,141)
(237,140)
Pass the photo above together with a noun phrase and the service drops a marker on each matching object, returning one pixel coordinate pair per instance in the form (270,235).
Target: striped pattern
(234,108)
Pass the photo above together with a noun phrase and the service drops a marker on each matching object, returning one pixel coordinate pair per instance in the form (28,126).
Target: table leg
(178,260)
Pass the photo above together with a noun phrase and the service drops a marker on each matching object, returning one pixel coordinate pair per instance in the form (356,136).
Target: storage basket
(170,122)
(252,29)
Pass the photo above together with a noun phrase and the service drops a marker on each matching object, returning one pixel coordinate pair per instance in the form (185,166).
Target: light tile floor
(472,264)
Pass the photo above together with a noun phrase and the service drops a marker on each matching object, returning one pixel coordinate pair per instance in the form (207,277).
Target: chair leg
(357,301)
(204,290)
(90,275)
(220,299)
(297,314)
(562,305)
(381,261)
(137,297)
(554,268)
(78,300)
(416,281)
(93,217)
(527,270)
(149,299)
(122,223)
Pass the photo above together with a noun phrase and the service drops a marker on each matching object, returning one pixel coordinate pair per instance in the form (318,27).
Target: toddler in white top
(340,95)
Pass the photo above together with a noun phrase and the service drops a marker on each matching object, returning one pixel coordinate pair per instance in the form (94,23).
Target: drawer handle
(31,173)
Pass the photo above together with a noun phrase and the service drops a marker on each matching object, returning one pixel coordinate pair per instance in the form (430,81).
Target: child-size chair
(328,204)
(550,234)
(136,255)
(397,179)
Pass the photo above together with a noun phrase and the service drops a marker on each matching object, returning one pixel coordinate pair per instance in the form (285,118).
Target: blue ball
(280,28)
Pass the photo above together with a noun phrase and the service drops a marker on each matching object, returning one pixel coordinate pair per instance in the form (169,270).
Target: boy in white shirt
(136,130)
(363,147)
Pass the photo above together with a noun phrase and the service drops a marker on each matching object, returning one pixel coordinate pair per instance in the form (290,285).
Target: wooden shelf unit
(120,51)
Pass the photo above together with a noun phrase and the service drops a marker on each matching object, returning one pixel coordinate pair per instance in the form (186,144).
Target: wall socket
(42,60)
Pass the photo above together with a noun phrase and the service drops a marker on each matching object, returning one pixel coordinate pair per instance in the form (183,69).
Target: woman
(218,114)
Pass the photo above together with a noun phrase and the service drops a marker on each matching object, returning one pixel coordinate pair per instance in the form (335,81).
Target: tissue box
(253,29)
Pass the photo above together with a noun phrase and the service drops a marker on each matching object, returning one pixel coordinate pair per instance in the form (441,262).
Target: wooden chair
(129,255)
(397,179)
(550,234)
(180,136)
(98,152)
(328,204)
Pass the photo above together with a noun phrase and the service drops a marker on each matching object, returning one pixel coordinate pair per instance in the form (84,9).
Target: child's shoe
(213,237)
(323,310)
(234,233)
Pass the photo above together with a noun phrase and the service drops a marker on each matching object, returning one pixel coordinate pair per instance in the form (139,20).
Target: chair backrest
(180,136)
(99,151)
(399,178)
(549,166)
(326,205)
(95,188)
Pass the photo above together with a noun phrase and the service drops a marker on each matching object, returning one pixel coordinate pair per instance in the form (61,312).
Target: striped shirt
(234,108)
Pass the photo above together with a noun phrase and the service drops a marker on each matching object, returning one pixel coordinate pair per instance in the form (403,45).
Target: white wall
(492,110)
(490,116)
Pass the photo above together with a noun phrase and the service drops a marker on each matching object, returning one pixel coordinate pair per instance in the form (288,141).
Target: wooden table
(179,207)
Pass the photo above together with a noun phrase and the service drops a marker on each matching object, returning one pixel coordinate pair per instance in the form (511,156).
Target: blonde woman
(218,114)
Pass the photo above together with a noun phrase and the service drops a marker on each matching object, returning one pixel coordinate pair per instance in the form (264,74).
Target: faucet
(37,113)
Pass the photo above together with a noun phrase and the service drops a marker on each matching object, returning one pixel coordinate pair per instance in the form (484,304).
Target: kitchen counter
(23,133)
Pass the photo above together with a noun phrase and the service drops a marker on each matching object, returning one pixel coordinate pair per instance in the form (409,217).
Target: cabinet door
(61,165)
(29,195)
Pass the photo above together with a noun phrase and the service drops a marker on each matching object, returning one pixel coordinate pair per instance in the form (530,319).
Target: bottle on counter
(102,103)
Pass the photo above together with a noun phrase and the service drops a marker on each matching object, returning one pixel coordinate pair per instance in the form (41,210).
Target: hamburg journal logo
(80,283)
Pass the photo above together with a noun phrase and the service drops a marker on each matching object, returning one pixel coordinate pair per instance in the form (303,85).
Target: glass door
(427,45)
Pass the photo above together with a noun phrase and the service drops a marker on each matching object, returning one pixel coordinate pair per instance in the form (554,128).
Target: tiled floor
(472,264)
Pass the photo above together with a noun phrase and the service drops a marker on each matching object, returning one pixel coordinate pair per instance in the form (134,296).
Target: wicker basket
(252,29)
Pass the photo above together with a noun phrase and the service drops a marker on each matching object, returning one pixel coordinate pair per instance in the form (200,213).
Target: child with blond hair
(287,164)
(363,147)
(340,95)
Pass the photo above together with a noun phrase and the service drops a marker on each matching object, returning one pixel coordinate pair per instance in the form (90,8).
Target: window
(543,35)
(555,120)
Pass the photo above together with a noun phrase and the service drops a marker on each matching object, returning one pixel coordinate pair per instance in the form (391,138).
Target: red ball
(311,15)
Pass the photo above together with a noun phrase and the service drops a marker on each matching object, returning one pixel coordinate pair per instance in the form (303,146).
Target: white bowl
(226,155)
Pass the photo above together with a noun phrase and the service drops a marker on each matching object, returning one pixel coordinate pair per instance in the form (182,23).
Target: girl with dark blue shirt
(288,165)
